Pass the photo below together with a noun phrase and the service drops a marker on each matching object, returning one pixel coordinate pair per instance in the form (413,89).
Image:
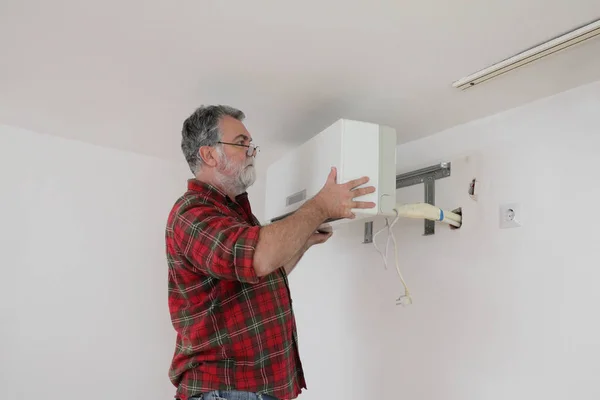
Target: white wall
(497,313)
(83,277)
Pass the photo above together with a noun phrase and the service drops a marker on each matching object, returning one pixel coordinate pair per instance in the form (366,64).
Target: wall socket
(510,216)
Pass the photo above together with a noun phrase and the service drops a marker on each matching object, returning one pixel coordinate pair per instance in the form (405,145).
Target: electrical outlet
(510,216)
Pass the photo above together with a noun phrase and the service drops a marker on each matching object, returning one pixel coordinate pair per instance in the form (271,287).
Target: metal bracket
(368,232)
(426,176)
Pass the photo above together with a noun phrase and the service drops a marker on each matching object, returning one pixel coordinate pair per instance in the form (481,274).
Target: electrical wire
(405,299)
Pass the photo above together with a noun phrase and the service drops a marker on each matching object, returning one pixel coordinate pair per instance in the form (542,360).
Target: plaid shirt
(235,331)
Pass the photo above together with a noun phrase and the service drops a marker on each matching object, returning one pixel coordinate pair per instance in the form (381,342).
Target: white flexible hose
(427,211)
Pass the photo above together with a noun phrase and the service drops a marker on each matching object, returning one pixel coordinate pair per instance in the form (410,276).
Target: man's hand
(337,200)
(284,240)
(317,238)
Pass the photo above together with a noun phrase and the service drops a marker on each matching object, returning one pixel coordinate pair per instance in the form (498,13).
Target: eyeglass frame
(253,149)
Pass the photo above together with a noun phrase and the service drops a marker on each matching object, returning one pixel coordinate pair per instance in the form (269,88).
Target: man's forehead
(233,129)
(242,136)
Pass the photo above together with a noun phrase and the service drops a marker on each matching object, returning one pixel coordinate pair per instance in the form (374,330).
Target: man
(228,290)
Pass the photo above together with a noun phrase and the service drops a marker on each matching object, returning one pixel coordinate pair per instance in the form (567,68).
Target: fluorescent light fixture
(545,49)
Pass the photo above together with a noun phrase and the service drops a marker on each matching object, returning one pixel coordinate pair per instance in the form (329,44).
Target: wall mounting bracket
(427,176)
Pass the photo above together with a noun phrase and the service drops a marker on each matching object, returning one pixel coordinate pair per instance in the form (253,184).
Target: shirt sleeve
(216,244)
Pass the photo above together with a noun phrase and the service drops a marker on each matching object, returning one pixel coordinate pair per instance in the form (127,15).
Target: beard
(235,177)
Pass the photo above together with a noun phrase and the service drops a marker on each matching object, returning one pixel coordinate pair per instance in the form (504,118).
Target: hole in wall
(459,212)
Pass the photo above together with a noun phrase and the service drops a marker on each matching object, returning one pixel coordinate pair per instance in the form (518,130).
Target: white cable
(417,210)
(406,298)
(389,227)
(383,256)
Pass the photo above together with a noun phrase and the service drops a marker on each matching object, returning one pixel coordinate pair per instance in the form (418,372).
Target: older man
(229,297)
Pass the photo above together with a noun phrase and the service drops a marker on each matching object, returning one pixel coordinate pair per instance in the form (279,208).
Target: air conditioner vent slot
(295,198)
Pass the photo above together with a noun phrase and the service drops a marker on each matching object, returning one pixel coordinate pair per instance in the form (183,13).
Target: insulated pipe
(427,211)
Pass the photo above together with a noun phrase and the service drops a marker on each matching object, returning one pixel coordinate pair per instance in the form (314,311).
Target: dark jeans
(232,395)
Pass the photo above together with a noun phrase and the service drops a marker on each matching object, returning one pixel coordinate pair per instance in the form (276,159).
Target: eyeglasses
(252,148)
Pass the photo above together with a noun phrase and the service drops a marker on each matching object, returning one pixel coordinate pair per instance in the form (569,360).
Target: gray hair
(202,129)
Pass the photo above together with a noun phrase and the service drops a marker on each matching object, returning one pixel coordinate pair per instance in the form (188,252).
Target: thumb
(332,178)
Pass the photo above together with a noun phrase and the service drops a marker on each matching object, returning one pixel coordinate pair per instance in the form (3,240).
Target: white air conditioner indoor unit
(356,149)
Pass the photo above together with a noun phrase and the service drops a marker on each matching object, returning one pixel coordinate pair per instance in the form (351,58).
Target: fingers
(357,205)
(357,182)
(321,237)
(326,238)
(363,204)
(318,238)
(363,191)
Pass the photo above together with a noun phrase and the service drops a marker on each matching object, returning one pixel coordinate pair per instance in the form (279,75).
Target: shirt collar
(206,188)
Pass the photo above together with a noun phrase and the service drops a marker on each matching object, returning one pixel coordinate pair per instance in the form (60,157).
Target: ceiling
(126,73)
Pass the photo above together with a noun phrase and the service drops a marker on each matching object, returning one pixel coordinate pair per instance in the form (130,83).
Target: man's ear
(207,155)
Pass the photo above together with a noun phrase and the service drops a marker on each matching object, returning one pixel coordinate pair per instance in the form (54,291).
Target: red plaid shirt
(235,331)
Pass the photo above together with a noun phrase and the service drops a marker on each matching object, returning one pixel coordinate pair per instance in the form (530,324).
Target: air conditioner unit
(356,149)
